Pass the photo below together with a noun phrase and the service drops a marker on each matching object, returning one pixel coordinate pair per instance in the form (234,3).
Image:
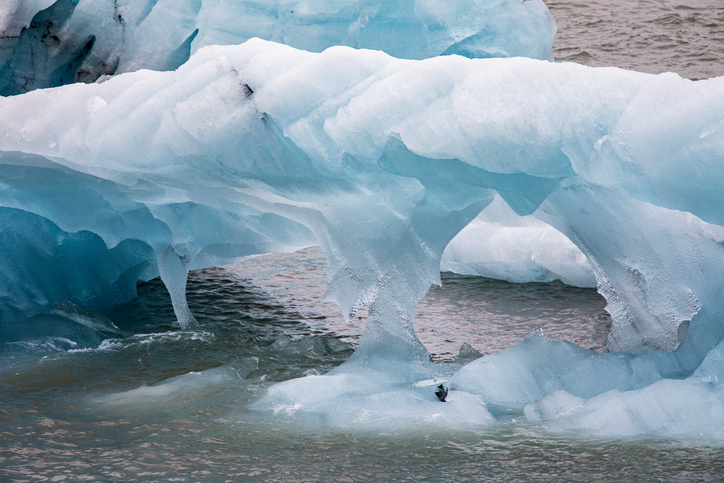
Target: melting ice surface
(261,148)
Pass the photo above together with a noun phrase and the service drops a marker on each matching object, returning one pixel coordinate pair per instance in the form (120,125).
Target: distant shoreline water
(682,36)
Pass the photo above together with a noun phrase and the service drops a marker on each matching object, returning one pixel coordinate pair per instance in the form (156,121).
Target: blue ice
(261,147)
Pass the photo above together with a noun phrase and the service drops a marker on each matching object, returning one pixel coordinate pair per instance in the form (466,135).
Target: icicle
(173,268)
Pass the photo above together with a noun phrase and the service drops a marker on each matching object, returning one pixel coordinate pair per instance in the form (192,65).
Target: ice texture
(372,400)
(692,407)
(15,15)
(502,245)
(261,147)
(50,43)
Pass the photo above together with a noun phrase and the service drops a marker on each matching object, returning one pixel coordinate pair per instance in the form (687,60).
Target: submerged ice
(256,148)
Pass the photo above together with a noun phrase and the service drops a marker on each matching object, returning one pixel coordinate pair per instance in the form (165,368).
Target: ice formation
(49,43)
(15,15)
(261,147)
(502,245)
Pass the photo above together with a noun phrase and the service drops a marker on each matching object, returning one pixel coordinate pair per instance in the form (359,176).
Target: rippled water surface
(490,315)
(682,36)
(111,414)
(139,408)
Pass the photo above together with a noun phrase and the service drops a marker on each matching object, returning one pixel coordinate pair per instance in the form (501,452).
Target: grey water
(265,321)
(654,36)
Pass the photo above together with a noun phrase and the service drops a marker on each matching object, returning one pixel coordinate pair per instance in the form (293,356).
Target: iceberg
(15,15)
(261,147)
(48,43)
(500,244)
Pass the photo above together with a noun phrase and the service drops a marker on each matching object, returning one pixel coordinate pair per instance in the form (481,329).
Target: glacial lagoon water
(682,36)
(161,404)
(140,408)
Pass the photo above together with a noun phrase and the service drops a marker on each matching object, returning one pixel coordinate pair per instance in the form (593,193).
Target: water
(490,315)
(111,414)
(138,409)
(682,36)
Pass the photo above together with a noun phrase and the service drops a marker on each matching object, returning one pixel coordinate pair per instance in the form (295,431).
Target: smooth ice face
(260,147)
(82,40)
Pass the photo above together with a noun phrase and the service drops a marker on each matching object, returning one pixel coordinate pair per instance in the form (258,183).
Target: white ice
(502,245)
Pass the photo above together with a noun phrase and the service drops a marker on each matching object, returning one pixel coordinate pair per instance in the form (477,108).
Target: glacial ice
(15,15)
(502,245)
(261,147)
(152,159)
(48,43)
(169,389)
(692,407)
(366,401)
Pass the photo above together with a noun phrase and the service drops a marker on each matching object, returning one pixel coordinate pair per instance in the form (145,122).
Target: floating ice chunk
(557,404)
(467,354)
(538,368)
(260,147)
(413,29)
(502,245)
(527,372)
(565,387)
(174,387)
(687,408)
(312,346)
(355,396)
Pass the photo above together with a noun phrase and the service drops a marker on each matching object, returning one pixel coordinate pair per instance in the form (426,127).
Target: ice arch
(261,147)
